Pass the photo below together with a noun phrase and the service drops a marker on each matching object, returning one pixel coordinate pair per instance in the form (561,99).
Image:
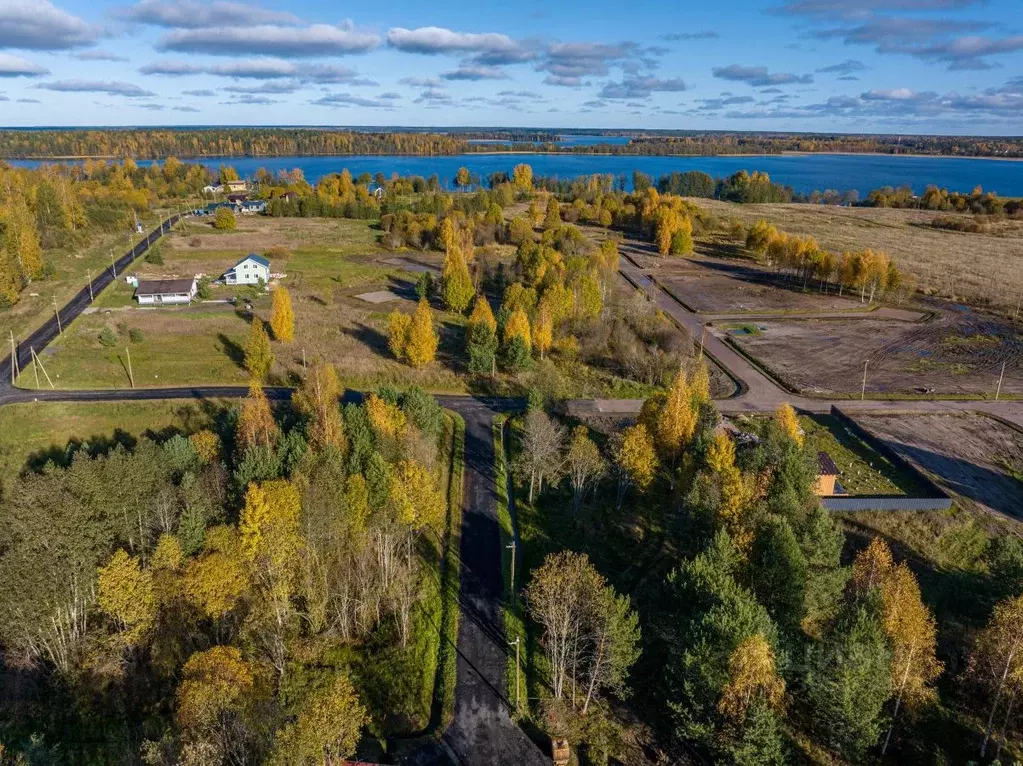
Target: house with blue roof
(248,271)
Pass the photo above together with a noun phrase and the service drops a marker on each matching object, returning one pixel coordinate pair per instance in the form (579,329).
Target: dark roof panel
(826,466)
(164,286)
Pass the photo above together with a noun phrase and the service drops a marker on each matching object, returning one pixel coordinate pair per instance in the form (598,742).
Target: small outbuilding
(827,476)
(248,271)
(165,292)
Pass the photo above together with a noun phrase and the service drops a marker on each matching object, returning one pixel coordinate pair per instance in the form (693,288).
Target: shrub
(154,256)
(224,219)
(107,337)
(204,289)
(136,335)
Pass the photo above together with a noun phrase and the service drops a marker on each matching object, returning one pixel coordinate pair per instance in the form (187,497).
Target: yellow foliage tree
(522,177)
(421,348)
(215,684)
(398,326)
(786,418)
(206,445)
(386,418)
(258,354)
(126,596)
(543,331)
(635,459)
(256,425)
(699,384)
(517,326)
(269,523)
(282,316)
(871,567)
(326,730)
(415,496)
(912,634)
(318,398)
(482,313)
(457,283)
(721,453)
(751,675)
(676,422)
(215,581)
(997,663)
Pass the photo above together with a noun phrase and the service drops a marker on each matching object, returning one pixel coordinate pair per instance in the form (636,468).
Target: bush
(154,256)
(107,337)
(135,335)
(224,219)
(204,289)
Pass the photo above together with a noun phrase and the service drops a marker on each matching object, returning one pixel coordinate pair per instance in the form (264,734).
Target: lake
(804,173)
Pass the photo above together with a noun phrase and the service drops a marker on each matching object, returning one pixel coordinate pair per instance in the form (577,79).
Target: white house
(165,292)
(248,271)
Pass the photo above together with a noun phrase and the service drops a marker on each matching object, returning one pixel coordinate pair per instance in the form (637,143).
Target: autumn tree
(256,424)
(672,419)
(214,706)
(540,456)
(590,634)
(751,675)
(224,219)
(216,580)
(481,337)
(543,331)
(583,463)
(271,543)
(318,398)
(996,663)
(522,177)
(786,418)
(326,730)
(759,237)
(398,327)
(282,317)
(258,354)
(457,286)
(912,634)
(634,460)
(126,596)
(463,177)
(552,216)
(421,347)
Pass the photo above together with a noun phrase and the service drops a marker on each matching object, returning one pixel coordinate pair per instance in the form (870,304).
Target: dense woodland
(60,208)
(270,142)
(259,591)
(773,638)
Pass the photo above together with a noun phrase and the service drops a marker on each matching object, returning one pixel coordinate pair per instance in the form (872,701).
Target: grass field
(37,430)
(983,269)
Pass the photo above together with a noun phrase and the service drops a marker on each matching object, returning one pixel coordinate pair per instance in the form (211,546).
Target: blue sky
(899,66)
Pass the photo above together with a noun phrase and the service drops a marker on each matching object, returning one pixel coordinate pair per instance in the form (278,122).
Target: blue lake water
(804,173)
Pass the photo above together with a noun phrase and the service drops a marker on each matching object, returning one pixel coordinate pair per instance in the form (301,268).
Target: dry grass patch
(983,269)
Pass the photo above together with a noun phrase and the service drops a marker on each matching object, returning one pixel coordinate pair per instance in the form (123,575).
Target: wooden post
(88,274)
(56,311)
(863,388)
(14,359)
(35,369)
(39,361)
(131,376)
(998,391)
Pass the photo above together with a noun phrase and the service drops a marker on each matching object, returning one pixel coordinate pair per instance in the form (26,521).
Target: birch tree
(540,456)
(584,463)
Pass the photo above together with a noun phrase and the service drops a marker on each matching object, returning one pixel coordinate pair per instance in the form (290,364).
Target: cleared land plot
(979,268)
(32,433)
(719,286)
(971,455)
(958,352)
(328,264)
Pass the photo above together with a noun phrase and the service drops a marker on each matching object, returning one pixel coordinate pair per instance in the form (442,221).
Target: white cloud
(14,66)
(293,42)
(39,25)
(193,14)
(111,88)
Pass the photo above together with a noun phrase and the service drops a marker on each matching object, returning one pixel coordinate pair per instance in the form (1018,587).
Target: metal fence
(886,503)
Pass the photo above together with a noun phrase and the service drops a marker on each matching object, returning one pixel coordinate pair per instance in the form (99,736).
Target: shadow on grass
(370,337)
(403,288)
(233,350)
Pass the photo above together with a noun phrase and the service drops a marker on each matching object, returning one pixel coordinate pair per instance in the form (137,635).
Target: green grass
(42,428)
(864,470)
(451,577)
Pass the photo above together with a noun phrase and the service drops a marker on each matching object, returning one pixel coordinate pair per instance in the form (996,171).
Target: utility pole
(998,391)
(14,359)
(131,376)
(702,337)
(37,360)
(512,548)
(88,274)
(56,311)
(113,261)
(863,388)
(35,369)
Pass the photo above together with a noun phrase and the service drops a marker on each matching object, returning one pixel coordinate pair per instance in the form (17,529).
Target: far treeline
(281,142)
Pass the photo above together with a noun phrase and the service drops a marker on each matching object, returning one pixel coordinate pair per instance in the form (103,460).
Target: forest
(263,590)
(278,142)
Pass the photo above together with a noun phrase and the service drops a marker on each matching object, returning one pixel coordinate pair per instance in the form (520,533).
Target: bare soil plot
(717,285)
(983,269)
(970,455)
(958,352)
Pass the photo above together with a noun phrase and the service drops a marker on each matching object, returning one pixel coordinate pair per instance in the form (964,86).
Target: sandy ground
(967,454)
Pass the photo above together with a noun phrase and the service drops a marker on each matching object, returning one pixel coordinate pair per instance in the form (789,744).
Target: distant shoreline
(519,153)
